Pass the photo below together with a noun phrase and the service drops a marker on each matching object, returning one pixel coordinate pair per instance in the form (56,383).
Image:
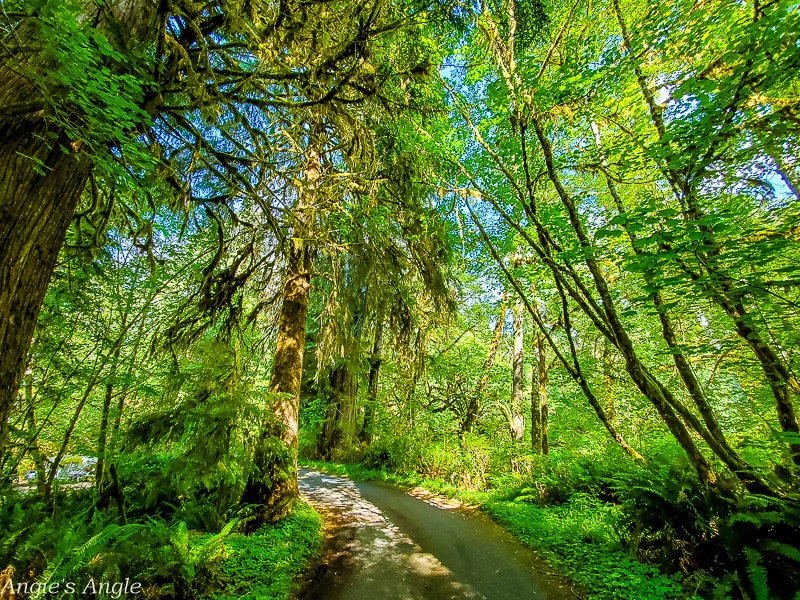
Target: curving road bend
(389,545)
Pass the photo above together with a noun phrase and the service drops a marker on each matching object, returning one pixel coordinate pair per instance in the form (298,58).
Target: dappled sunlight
(435,500)
(383,561)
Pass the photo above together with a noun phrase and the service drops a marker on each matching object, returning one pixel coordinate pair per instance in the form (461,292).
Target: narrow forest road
(388,545)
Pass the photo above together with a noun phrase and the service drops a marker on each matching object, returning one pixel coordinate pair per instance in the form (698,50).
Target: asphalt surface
(386,544)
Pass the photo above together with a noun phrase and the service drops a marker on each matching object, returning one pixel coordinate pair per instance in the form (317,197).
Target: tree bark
(41,180)
(539,399)
(344,426)
(607,380)
(573,368)
(272,484)
(368,429)
(517,424)
(337,439)
(325,439)
(102,436)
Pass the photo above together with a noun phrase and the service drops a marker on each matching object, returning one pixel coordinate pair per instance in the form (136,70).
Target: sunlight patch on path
(372,556)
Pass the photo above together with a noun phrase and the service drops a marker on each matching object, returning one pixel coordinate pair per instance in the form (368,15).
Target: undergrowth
(265,564)
(178,553)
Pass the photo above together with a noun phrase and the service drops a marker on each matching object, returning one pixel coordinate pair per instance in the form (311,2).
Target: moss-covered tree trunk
(337,439)
(344,386)
(272,483)
(368,428)
(539,443)
(711,433)
(41,180)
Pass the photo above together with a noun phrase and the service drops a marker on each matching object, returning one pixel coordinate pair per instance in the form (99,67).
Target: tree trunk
(616,333)
(33,440)
(272,484)
(344,427)
(607,380)
(367,430)
(517,424)
(40,186)
(474,405)
(417,368)
(337,439)
(325,439)
(102,436)
(781,381)
(573,367)
(539,399)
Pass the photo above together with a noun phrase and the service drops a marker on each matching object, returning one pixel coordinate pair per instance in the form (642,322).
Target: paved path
(389,545)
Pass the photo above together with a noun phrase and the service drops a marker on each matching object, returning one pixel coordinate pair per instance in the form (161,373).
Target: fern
(759,519)
(179,536)
(757,574)
(786,550)
(204,554)
(78,557)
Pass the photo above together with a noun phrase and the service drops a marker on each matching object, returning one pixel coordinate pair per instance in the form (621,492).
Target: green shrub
(578,538)
(387,453)
(733,547)
(264,565)
(70,540)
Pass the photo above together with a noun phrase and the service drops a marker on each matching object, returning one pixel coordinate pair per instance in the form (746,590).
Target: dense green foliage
(267,563)
(540,254)
(162,547)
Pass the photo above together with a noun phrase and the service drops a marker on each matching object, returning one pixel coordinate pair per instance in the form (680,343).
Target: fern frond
(76,558)
(757,574)
(202,555)
(786,550)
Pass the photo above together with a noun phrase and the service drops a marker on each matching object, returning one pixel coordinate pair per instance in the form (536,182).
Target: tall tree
(121,86)
(517,421)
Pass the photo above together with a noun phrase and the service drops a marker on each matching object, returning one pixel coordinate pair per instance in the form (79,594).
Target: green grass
(577,538)
(266,564)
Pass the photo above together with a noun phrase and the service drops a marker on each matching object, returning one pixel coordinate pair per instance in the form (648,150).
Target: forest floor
(384,542)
